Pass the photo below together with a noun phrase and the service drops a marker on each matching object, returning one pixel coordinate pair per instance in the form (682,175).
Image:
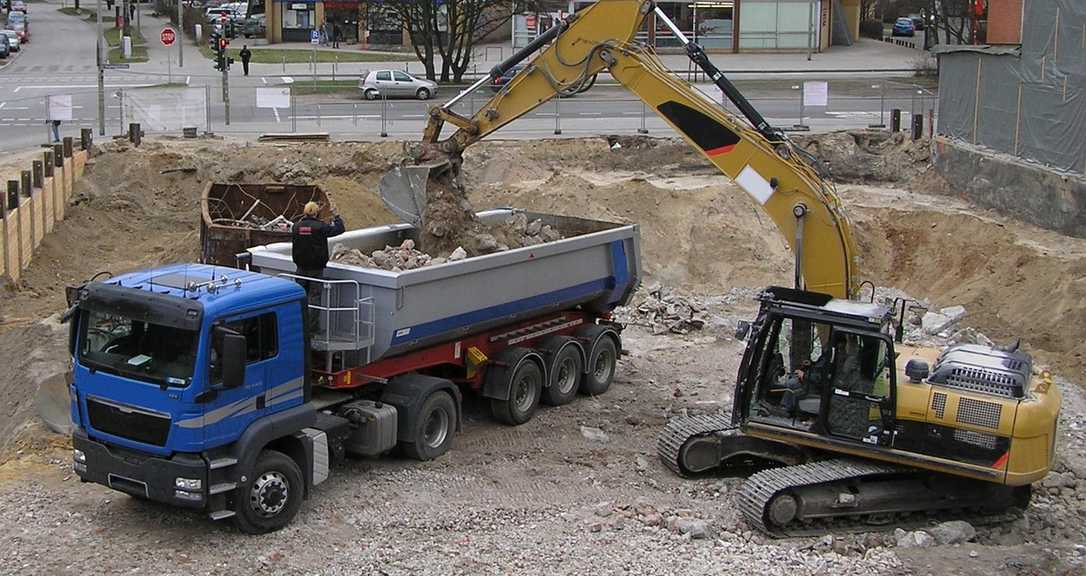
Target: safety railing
(344,316)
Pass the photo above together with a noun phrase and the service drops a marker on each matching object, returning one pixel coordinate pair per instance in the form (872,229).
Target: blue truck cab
(178,372)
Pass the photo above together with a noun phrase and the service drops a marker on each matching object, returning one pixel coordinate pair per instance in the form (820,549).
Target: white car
(395,84)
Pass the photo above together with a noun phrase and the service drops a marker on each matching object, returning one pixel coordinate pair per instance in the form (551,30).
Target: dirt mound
(868,156)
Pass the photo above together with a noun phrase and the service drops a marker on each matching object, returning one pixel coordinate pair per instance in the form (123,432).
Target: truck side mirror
(742,330)
(233,357)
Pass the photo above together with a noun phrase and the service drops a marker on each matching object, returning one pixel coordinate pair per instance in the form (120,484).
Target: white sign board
(60,107)
(273,97)
(315,37)
(816,93)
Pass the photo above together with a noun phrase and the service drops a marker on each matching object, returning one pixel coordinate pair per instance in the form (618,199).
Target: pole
(226,90)
(48,124)
(810,29)
(101,74)
(642,129)
(169,68)
(180,35)
(293,111)
(557,117)
(384,114)
(207,107)
(882,106)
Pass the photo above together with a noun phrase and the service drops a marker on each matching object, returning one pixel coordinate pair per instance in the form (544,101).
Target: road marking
(414,115)
(590,113)
(55,86)
(288,80)
(265,81)
(2,104)
(16,90)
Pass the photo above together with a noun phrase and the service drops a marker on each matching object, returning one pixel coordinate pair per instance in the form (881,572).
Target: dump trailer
(234,391)
(235,216)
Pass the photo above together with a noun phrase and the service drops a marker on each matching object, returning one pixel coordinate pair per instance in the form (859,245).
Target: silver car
(395,84)
(13,40)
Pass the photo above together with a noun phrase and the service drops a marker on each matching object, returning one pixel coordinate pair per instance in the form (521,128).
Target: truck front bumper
(142,475)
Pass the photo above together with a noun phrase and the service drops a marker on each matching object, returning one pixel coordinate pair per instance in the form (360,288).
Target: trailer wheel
(433,429)
(525,387)
(273,495)
(566,370)
(601,367)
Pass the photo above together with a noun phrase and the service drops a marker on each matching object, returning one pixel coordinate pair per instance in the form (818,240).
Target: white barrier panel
(273,97)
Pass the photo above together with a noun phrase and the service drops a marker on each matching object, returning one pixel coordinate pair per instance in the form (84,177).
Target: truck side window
(261,339)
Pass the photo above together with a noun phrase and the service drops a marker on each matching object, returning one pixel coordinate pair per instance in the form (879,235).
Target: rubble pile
(516,232)
(664,310)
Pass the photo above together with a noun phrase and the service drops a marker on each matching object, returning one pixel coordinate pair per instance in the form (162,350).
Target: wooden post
(15,249)
(38,175)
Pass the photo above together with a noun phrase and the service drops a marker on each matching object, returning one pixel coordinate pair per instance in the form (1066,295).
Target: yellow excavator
(846,425)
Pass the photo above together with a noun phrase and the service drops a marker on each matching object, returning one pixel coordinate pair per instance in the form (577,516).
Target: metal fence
(315,105)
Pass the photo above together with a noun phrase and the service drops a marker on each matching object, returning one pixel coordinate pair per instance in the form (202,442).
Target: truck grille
(130,423)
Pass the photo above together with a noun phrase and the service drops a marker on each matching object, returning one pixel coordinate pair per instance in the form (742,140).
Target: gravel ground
(578,490)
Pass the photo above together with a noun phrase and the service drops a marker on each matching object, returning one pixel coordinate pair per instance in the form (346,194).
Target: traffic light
(222,63)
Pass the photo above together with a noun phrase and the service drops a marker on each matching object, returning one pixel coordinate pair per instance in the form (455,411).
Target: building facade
(729,25)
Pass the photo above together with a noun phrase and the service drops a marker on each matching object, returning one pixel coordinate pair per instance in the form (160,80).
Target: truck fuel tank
(373,427)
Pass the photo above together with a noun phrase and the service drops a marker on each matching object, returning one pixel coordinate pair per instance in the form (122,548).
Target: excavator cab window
(860,406)
(794,370)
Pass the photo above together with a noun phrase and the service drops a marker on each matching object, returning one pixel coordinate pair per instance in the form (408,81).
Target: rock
(408,244)
(933,322)
(953,532)
(697,529)
(633,420)
(825,541)
(603,509)
(437,261)
(642,463)
(953,313)
(916,539)
(534,227)
(487,243)
(594,434)
(458,254)
(549,234)
(973,553)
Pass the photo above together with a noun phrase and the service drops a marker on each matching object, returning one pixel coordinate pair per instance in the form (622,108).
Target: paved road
(60,60)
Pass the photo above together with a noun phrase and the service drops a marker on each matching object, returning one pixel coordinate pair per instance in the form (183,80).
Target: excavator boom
(755,155)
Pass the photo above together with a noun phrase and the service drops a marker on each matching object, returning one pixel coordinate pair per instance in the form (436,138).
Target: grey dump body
(597,265)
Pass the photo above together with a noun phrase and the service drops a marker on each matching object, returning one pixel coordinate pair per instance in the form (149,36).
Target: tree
(444,32)
(952,20)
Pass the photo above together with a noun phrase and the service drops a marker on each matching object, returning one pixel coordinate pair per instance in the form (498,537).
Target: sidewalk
(865,58)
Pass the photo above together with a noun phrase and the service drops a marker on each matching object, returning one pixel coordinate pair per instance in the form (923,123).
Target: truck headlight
(192,496)
(187,483)
(79,456)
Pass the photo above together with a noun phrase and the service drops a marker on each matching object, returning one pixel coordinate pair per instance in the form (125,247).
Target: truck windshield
(136,349)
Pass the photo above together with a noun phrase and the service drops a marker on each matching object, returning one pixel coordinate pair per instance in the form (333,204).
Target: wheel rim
(437,429)
(269,494)
(566,377)
(604,366)
(424,94)
(524,391)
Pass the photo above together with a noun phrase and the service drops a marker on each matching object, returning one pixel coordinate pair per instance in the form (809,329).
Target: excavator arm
(754,154)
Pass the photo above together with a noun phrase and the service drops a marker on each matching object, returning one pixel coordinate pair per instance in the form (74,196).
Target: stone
(408,244)
(534,227)
(934,322)
(697,529)
(825,541)
(594,434)
(488,243)
(642,463)
(953,532)
(458,254)
(953,313)
(603,509)
(916,539)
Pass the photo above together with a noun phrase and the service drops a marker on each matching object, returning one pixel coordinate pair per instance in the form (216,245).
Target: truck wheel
(433,429)
(601,367)
(566,371)
(525,386)
(273,494)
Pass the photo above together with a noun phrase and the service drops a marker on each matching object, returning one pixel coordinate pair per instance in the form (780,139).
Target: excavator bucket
(403,189)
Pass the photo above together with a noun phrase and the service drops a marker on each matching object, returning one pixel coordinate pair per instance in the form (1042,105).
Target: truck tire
(525,387)
(434,428)
(273,495)
(565,372)
(600,370)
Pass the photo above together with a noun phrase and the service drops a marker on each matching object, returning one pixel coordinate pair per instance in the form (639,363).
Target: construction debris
(665,310)
(391,258)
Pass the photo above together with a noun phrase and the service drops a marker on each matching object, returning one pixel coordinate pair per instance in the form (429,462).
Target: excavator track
(847,484)
(682,429)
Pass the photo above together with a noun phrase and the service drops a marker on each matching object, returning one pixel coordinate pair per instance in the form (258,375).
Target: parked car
(903,27)
(5,47)
(18,6)
(918,21)
(395,84)
(497,83)
(12,39)
(254,26)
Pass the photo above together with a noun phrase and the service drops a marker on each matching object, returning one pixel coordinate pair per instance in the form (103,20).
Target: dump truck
(233,391)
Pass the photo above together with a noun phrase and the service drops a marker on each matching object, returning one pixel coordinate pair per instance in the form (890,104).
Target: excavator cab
(821,366)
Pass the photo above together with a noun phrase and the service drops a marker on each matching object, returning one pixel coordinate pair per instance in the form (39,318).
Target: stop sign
(167,36)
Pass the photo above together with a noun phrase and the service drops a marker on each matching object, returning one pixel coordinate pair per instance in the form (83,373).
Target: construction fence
(1028,100)
(308,105)
(36,201)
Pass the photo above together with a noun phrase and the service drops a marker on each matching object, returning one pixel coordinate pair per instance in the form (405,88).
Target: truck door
(233,409)
(861,404)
